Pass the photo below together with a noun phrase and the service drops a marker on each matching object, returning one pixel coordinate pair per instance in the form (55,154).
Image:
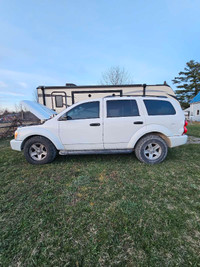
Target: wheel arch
(35,135)
(156,129)
(163,136)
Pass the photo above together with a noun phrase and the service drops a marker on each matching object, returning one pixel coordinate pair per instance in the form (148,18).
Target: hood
(40,111)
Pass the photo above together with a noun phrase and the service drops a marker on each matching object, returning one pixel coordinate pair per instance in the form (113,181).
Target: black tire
(39,150)
(151,149)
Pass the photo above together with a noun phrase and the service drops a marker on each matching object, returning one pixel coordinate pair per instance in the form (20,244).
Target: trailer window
(88,110)
(59,101)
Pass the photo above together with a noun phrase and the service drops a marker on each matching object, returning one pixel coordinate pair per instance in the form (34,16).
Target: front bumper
(16,145)
(178,140)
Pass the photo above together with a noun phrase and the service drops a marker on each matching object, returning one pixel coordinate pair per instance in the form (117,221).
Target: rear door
(122,119)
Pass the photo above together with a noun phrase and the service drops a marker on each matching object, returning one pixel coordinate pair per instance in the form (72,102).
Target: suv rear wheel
(151,149)
(39,150)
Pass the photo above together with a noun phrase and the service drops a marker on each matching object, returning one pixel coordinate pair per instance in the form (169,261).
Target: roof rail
(159,96)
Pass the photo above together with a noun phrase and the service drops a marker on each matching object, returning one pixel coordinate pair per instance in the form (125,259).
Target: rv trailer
(60,97)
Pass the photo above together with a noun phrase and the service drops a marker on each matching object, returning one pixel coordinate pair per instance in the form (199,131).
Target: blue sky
(48,42)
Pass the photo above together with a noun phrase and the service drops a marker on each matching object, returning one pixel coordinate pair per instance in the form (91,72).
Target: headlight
(16,134)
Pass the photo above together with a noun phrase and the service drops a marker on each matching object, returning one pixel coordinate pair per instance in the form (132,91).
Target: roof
(98,86)
(127,97)
(195,99)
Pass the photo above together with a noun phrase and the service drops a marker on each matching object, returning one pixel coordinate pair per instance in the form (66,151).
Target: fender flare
(44,133)
(149,129)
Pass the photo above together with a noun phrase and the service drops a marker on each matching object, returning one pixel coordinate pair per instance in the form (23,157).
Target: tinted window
(159,107)
(84,111)
(122,108)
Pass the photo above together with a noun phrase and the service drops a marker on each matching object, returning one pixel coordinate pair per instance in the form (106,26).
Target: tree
(115,76)
(1,110)
(188,83)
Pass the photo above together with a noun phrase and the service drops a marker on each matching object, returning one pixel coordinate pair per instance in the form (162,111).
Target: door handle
(138,122)
(95,124)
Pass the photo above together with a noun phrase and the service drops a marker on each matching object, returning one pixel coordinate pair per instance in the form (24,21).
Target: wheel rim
(38,151)
(152,151)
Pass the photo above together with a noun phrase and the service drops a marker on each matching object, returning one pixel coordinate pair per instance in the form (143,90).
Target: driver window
(88,110)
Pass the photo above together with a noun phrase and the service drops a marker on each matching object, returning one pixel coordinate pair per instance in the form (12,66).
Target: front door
(81,127)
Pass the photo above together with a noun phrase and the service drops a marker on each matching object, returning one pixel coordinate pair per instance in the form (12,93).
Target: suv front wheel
(151,149)
(39,150)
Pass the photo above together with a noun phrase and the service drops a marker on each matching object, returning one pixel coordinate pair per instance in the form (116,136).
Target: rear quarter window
(159,107)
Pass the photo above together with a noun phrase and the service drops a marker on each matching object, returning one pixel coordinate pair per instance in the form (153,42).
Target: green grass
(194,129)
(104,210)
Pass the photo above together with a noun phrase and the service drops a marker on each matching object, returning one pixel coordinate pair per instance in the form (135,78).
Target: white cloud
(23,84)
(20,85)
(12,94)
(27,78)
(3,85)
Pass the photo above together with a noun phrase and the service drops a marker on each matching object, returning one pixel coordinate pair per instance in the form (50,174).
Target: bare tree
(19,110)
(1,110)
(115,76)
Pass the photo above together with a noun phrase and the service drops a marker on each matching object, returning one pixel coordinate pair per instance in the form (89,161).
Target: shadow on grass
(94,157)
(173,155)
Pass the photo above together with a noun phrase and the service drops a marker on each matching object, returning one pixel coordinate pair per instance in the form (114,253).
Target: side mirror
(65,118)
(68,118)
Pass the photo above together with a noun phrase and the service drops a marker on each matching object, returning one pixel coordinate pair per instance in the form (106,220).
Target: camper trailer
(60,97)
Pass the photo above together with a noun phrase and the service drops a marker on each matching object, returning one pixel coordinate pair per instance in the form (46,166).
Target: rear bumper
(178,140)
(16,145)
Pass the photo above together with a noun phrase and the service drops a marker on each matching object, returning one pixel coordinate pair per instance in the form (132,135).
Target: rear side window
(122,108)
(159,107)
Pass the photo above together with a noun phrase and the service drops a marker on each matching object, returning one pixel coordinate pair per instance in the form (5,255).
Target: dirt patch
(193,140)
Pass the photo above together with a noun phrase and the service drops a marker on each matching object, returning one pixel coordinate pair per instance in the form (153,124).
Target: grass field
(105,210)
(194,129)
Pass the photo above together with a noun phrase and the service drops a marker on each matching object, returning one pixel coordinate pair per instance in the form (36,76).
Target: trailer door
(58,100)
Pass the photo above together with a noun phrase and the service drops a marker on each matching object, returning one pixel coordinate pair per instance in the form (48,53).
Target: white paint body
(112,133)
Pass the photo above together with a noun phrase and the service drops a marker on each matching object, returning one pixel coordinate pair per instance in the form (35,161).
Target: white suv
(146,125)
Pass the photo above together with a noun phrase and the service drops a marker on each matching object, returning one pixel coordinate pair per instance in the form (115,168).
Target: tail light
(184,128)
